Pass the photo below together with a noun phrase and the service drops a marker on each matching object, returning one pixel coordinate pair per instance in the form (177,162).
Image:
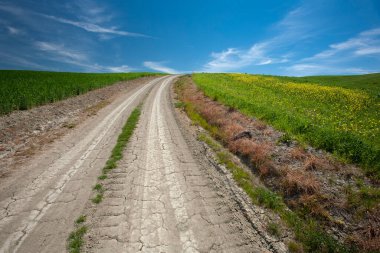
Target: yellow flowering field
(341,120)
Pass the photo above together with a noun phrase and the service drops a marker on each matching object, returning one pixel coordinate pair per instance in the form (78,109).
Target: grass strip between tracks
(307,232)
(75,240)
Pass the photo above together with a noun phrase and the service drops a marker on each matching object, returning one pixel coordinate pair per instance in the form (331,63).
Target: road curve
(160,198)
(38,211)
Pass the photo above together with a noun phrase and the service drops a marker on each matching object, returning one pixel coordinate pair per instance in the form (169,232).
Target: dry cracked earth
(166,195)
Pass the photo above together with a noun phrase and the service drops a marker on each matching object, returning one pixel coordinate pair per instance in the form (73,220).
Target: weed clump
(75,240)
(297,182)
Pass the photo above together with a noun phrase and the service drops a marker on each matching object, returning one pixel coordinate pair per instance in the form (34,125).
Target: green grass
(369,83)
(98,187)
(117,152)
(22,90)
(295,247)
(98,198)
(338,114)
(274,229)
(75,240)
(102,177)
(81,219)
(307,231)
(363,199)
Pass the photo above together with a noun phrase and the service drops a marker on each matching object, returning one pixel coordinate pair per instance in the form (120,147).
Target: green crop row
(341,120)
(22,90)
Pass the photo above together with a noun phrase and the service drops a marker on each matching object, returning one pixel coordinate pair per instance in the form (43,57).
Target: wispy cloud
(61,54)
(119,69)
(303,69)
(92,14)
(13,30)
(365,43)
(340,57)
(300,27)
(94,27)
(233,58)
(20,61)
(158,66)
(77,53)
(60,50)
(301,23)
(11,9)
(288,31)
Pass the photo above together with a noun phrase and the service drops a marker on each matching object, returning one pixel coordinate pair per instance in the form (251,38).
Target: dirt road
(38,210)
(163,197)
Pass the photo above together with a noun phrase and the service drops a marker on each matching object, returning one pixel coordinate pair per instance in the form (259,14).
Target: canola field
(22,90)
(336,114)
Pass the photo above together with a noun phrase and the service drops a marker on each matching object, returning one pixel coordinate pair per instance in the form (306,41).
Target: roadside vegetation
(338,114)
(331,206)
(22,90)
(307,232)
(75,240)
(117,152)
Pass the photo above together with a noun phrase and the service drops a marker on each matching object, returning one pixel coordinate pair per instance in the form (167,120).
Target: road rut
(38,214)
(161,199)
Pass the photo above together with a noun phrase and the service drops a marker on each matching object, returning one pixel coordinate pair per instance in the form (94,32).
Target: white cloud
(90,11)
(14,31)
(233,58)
(366,43)
(316,69)
(158,66)
(93,15)
(372,32)
(368,50)
(93,27)
(341,57)
(299,24)
(11,9)
(119,69)
(60,50)
(58,53)
(20,61)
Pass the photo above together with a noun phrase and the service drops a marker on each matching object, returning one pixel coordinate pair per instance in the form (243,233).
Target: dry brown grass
(261,154)
(259,125)
(298,182)
(238,118)
(298,153)
(232,123)
(315,205)
(315,163)
(231,130)
(368,238)
(243,147)
(212,113)
(268,132)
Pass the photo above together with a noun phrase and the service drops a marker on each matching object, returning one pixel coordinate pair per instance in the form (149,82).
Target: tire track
(160,199)
(28,220)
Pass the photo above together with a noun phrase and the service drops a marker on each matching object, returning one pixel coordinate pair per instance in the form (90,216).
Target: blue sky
(269,37)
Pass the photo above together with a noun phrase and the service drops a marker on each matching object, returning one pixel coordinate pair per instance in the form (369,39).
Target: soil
(167,196)
(44,194)
(23,133)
